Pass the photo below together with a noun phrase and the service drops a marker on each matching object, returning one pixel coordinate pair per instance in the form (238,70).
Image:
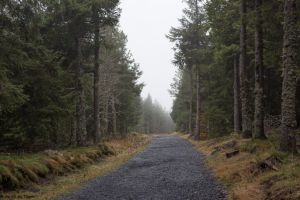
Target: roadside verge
(252,169)
(69,169)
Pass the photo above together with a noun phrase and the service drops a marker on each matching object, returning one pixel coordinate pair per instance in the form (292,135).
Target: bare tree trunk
(244,77)
(198,98)
(191,101)
(105,126)
(198,115)
(237,101)
(81,132)
(114,112)
(72,140)
(259,116)
(288,106)
(97,78)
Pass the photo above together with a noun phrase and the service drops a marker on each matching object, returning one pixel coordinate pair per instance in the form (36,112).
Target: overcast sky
(146,22)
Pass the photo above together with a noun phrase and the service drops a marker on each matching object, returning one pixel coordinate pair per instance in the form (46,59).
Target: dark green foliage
(221,19)
(213,58)
(180,110)
(40,82)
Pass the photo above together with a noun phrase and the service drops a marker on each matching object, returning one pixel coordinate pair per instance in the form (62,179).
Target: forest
(238,69)
(67,77)
(73,110)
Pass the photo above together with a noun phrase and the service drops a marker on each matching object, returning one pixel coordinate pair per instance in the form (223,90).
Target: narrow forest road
(169,169)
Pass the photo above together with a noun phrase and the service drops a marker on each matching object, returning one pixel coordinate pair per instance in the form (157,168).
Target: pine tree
(244,74)
(288,113)
(96,75)
(259,74)
(237,101)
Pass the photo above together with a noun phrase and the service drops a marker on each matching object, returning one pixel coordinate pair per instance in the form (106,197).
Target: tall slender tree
(244,74)
(81,131)
(288,106)
(198,20)
(96,75)
(191,102)
(198,107)
(259,73)
(237,101)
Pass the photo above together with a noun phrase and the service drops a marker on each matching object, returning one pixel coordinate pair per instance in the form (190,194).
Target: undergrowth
(258,172)
(21,171)
(55,186)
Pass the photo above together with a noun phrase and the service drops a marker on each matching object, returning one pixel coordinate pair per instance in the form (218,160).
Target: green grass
(123,148)
(19,171)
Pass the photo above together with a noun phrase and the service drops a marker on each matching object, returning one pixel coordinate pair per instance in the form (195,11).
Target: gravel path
(169,169)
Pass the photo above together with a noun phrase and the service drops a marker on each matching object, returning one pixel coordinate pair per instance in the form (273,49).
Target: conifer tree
(288,113)
(259,74)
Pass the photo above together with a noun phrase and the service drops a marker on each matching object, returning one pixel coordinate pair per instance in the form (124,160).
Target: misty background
(146,23)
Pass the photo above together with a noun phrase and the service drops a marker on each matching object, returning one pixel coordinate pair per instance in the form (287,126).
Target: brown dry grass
(242,175)
(124,148)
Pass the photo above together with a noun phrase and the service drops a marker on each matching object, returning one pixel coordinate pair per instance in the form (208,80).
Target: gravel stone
(169,169)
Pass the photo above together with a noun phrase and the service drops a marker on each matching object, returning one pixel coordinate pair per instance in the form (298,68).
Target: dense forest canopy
(237,69)
(67,77)
(56,59)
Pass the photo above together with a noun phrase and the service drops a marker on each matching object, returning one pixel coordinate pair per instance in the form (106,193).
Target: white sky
(146,22)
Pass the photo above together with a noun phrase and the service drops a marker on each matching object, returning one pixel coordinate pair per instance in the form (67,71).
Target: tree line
(238,65)
(154,118)
(66,76)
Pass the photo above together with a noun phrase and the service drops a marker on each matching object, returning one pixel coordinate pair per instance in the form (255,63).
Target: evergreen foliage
(215,49)
(46,73)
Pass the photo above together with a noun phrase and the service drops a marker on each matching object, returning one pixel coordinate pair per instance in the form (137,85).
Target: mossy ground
(245,176)
(42,176)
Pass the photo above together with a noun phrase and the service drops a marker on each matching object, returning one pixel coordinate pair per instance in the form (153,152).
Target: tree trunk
(198,115)
(72,139)
(114,112)
(191,101)
(105,117)
(97,127)
(244,77)
(259,132)
(198,98)
(237,102)
(81,132)
(288,106)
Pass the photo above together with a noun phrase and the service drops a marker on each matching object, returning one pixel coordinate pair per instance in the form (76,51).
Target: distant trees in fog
(154,118)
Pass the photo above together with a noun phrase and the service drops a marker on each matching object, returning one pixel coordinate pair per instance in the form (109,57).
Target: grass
(47,178)
(245,175)
(19,171)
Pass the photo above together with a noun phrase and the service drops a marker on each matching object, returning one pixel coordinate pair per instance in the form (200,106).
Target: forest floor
(252,169)
(50,174)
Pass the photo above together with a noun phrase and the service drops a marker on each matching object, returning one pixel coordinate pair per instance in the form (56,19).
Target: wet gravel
(169,169)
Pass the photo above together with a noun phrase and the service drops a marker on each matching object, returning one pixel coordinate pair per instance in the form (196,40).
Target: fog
(146,23)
